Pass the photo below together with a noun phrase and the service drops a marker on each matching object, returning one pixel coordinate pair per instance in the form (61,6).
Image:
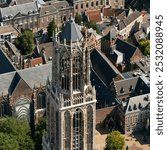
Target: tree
(144,46)
(78,19)
(40,130)
(17,132)
(51,28)
(6,142)
(92,25)
(115,141)
(25,42)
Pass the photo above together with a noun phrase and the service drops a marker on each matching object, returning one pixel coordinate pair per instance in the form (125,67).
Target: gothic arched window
(3,109)
(89,128)
(67,129)
(65,70)
(78,130)
(41,100)
(76,72)
(22,109)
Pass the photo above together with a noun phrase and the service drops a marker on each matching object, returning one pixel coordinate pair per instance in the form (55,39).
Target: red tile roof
(108,12)
(36,61)
(94,16)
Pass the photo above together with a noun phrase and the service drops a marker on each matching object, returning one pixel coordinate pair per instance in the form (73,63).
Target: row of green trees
(16,134)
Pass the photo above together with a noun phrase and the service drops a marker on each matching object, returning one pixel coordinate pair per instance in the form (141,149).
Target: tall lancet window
(65,70)
(76,72)
(78,130)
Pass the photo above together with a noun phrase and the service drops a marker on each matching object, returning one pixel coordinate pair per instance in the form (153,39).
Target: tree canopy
(115,141)
(51,28)
(92,25)
(15,134)
(40,130)
(78,19)
(144,46)
(25,42)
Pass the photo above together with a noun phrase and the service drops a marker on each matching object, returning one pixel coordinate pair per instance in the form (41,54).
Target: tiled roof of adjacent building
(94,15)
(32,76)
(134,86)
(127,49)
(129,19)
(5,64)
(137,103)
(10,12)
(105,98)
(103,67)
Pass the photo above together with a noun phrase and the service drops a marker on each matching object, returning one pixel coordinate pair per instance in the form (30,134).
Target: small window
(97,3)
(41,100)
(81,5)
(76,7)
(101,3)
(92,4)
(107,2)
(87,5)
(122,90)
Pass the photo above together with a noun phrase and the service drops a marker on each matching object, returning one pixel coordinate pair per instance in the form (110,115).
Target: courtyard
(134,142)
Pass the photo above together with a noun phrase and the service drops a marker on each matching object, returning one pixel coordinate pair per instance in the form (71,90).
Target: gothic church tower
(71,99)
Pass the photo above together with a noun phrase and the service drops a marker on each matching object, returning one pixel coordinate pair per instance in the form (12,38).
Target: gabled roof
(137,103)
(31,76)
(127,49)
(103,67)
(71,32)
(10,12)
(94,15)
(129,19)
(14,83)
(5,64)
(5,81)
(105,98)
(133,86)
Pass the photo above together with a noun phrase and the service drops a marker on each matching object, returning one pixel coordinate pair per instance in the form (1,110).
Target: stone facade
(80,6)
(71,99)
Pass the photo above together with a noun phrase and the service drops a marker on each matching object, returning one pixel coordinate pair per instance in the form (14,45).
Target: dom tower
(71,100)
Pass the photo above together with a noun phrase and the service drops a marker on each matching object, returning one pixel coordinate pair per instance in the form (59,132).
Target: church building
(71,99)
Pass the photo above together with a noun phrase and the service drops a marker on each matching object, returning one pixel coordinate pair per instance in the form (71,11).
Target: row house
(60,10)
(80,6)
(21,16)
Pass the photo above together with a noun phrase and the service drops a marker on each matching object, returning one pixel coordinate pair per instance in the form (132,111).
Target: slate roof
(116,57)
(5,64)
(127,49)
(103,67)
(14,10)
(32,76)
(137,103)
(5,81)
(53,6)
(47,10)
(18,2)
(129,19)
(133,86)
(71,32)
(105,98)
